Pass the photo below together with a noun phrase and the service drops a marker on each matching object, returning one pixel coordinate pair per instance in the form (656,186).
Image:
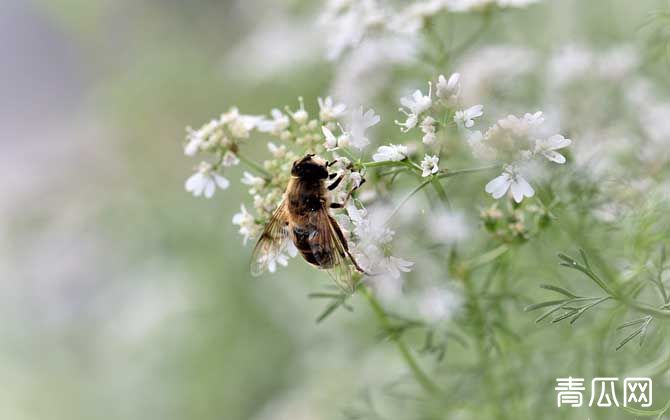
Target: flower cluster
(220,138)
(511,141)
(294,133)
(370,244)
(349,22)
(515,141)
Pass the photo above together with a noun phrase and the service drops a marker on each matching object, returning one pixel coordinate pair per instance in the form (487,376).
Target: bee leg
(335,183)
(329,164)
(336,205)
(346,200)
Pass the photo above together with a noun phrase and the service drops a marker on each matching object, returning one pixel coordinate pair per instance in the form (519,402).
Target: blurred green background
(123,297)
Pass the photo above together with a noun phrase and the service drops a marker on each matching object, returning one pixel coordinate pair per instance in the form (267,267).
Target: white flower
(331,140)
(429,165)
(548,147)
(412,18)
(192,146)
(246,222)
(205,181)
(280,259)
(448,89)
(570,63)
(450,227)
(239,125)
(418,103)
(479,148)
(409,123)
(278,123)
(230,159)
(328,110)
(278,152)
(356,179)
(465,117)
(347,22)
(438,304)
(428,129)
(391,152)
(358,123)
(255,182)
(534,120)
(198,138)
(510,179)
(300,116)
(395,265)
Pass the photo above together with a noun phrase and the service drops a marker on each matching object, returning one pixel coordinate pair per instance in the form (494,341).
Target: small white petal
(498,186)
(221,181)
(521,188)
(210,187)
(554,156)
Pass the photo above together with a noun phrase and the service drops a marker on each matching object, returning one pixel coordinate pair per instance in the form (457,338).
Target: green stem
(485,258)
(407,197)
(644,307)
(383,164)
(448,173)
(383,318)
(439,189)
(253,165)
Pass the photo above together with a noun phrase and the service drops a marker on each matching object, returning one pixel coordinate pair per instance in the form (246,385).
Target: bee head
(310,167)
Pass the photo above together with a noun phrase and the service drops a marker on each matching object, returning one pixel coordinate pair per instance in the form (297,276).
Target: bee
(303,217)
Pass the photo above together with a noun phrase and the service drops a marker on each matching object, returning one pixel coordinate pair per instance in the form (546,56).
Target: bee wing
(330,250)
(272,241)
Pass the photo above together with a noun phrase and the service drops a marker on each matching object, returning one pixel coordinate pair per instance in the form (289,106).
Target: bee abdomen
(310,248)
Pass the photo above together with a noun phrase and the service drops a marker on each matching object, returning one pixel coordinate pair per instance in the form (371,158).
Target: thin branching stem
(255,166)
(421,377)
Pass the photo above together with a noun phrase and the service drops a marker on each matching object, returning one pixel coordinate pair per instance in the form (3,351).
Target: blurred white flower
(230,159)
(569,63)
(618,62)
(277,124)
(479,148)
(428,130)
(358,124)
(347,22)
(438,304)
(255,182)
(492,68)
(246,222)
(205,181)
(465,117)
(450,227)
(238,124)
(394,266)
(197,138)
(356,179)
(512,180)
(429,165)
(516,3)
(278,152)
(535,119)
(391,152)
(449,89)
(547,147)
(328,110)
(412,18)
(331,141)
(362,74)
(300,116)
(475,5)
